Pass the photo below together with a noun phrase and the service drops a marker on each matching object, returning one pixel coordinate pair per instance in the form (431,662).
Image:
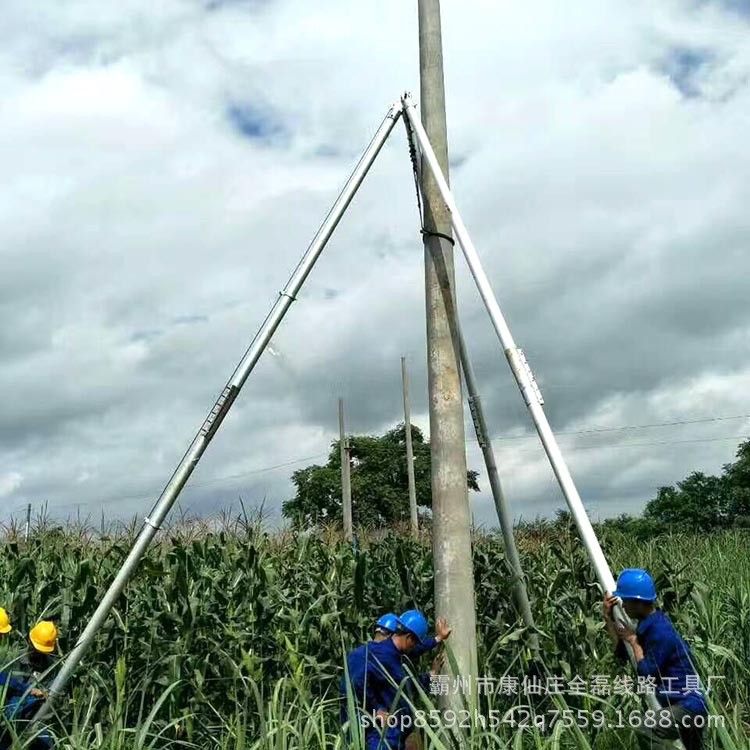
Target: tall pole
(27,530)
(413,517)
(346,478)
(223,404)
(520,594)
(451,520)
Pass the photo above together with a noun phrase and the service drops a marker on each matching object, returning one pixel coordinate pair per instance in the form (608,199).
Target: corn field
(230,636)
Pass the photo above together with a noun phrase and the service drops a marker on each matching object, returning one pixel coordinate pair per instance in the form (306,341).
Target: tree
(380,492)
(705,501)
(737,476)
(697,502)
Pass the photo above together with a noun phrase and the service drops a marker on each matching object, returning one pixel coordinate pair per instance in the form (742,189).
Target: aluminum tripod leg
(501,506)
(211,424)
(521,371)
(515,358)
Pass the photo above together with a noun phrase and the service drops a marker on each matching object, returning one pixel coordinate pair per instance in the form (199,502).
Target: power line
(149,494)
(662,442)
(594,430)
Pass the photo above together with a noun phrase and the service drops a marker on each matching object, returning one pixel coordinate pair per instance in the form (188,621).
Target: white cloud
(599,161)
(10,482)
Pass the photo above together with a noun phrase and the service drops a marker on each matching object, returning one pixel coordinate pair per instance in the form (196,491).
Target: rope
(428,233)
(415,167)
(413,156)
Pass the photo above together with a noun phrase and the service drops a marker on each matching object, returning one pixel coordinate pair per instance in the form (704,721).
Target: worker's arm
(378,675)
(427,645)
(648,663)
(355,678)
(609,620)
(442,633)
(425,679)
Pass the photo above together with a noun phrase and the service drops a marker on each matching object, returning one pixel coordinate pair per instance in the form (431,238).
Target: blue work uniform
(14,685)
(373,669)
(427,645)
(668,659)
(20,706)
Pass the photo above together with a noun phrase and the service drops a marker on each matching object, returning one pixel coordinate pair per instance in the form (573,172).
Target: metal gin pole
(501,504)
(215,417)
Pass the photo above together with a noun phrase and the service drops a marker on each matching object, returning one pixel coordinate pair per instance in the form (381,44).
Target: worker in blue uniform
(18,697)
(385,627)
(378,678)
(660,653)
(35,667)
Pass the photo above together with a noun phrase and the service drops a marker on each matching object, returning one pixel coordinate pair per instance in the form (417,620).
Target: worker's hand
(437,664)
(37,693)
(442,631)
(625,633)
(609,601)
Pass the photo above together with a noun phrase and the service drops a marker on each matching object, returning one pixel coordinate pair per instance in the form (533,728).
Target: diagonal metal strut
(522,373)
(220,409)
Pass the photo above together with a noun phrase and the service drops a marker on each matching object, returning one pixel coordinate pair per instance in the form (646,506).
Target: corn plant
(233,637)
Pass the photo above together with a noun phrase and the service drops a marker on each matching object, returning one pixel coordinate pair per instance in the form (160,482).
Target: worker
(5,645)
(5,626)
(377,669)
(36,667)
(12,644)
(385,627)
(662,654)
(41,655)
(20,697)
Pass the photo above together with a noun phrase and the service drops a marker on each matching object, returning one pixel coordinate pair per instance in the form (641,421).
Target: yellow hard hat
(43,636)
(5,626)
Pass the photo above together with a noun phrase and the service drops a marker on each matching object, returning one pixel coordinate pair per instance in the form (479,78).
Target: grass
(231,637)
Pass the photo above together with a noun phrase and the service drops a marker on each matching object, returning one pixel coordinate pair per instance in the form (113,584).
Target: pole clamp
(395,111)
(525,377)
(148,522)
(474,410)
(284,293)
(219,411)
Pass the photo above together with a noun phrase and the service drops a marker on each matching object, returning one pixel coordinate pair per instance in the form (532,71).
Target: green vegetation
(699,501)
(379,482)
(232,637)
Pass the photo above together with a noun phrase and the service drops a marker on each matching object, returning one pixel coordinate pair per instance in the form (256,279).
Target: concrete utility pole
(409,453)
(451,524)
(27,530)
(520,593)
(346,483)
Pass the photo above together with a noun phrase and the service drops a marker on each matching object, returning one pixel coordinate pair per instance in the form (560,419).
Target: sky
(164,166)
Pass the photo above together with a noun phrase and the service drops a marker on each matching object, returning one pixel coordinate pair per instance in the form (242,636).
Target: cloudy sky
(164,166)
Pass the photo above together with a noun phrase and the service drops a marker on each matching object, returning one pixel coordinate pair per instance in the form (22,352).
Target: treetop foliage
(700,501)
(379,481)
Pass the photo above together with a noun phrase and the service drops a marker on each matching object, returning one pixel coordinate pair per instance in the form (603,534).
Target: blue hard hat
(388,622)
(414,622)
(635,583)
